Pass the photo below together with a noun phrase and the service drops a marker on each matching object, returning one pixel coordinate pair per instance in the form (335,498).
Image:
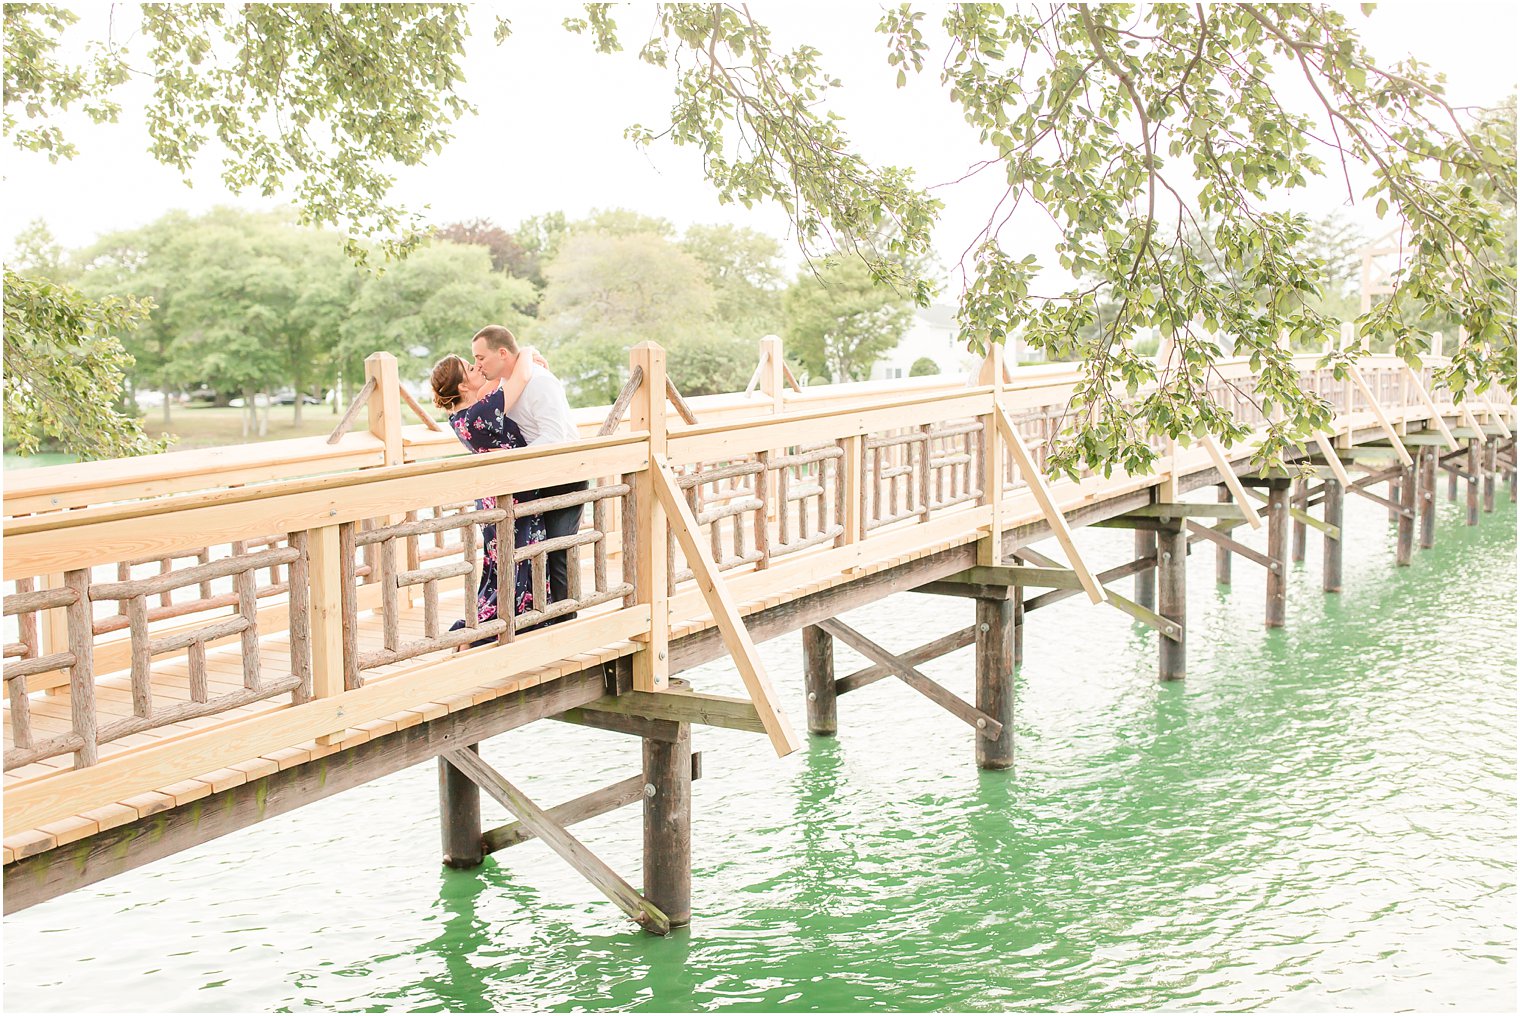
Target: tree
(507,255)
(67,392)
(923,367)
(428,305)
(839,322)
(277,88)
(1123,124)
(744,270)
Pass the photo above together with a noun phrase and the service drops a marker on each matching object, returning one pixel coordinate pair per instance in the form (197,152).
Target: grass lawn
(208,427)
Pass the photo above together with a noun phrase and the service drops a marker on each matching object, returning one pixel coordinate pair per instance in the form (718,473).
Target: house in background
(932,334)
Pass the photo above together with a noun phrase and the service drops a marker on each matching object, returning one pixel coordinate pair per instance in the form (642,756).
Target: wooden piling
(1335,497)
(1277,554)
(1145,581)
(1428,459)
(1404,553)
(1490,475)
(1300,529)
(818,676)
(1018,626)
(1221,552)
(667,825)
(1171,584)
(1395,497)
(994,678)
(459,815)
(1474,460)
(1451,486)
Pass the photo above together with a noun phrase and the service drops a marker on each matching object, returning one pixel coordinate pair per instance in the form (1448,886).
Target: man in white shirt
(542,413)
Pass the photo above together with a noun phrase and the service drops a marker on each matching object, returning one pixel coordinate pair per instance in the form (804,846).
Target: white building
(933,335)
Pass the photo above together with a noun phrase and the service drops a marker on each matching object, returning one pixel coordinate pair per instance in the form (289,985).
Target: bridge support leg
(1407,501)
(1474,464)
(667,825)
(818,677)
(1221,552)
(1394,495)
(1145,581)
(1018,626)
(1427,465)
(1511,472)
(1451,487)
(1277,554)
(1490,476)
(1335,499)
(459,815)
(1171,585)
(1300,530)
(994,678)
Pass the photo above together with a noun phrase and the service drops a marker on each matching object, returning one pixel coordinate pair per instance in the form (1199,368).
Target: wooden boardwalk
(200,641)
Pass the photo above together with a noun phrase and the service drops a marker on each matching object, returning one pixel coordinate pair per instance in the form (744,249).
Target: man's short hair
(497,337)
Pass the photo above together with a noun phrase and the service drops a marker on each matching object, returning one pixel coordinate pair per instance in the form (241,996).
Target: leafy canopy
(1133,127)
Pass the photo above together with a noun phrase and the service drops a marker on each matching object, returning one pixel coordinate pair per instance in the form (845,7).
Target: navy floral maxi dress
(484,427)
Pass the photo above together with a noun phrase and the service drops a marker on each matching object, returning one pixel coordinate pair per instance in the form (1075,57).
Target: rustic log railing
(686,522)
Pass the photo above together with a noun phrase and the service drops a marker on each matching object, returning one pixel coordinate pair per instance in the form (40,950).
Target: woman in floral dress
(478,413)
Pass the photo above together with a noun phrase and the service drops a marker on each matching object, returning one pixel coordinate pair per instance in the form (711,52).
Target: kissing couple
(507,398)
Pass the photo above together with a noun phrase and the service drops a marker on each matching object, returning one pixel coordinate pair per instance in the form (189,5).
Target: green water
(1319,817)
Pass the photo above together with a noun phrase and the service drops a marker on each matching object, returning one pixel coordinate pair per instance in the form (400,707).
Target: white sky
(552,112)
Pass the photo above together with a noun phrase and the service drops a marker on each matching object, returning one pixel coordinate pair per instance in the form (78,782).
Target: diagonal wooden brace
(1493,414)
(1430,407)
(1382,417)
(1336,465)
(587,806)
(1039,486)
(1215,536)
(1333,532)
(985,725)
(715,591)
(537,821)
(1171,629)
(1231,481)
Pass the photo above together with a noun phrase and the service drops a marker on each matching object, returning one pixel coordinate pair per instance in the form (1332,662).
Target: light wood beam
(715,592)
(1040,488)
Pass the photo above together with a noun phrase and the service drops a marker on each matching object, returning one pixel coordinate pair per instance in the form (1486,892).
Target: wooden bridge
(198,641)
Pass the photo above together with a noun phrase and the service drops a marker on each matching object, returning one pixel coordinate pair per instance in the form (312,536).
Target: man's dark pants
(562,522)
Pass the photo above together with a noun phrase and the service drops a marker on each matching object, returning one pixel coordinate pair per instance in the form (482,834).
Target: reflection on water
(1319,817)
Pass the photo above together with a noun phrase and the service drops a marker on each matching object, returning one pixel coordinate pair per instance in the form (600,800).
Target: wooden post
(1474,459)
(1300,530)
(325,576)
(651,665)
(1277,554)
(1145,581)
(1404,553)
(1018,626)
(990,550)
(385,404)
(1221,552)
(1171,588)
(55,628)
(994,678)
(1451,486)
(459,815)
(773,383)
(1490,475)
(818,674)
(1335,496)
(667,824)
(1394,497)
(1428,497)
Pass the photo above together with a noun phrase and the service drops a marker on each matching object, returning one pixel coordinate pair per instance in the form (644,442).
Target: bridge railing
(785,501)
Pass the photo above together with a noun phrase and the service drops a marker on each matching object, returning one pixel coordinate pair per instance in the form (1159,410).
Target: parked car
(287,397)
